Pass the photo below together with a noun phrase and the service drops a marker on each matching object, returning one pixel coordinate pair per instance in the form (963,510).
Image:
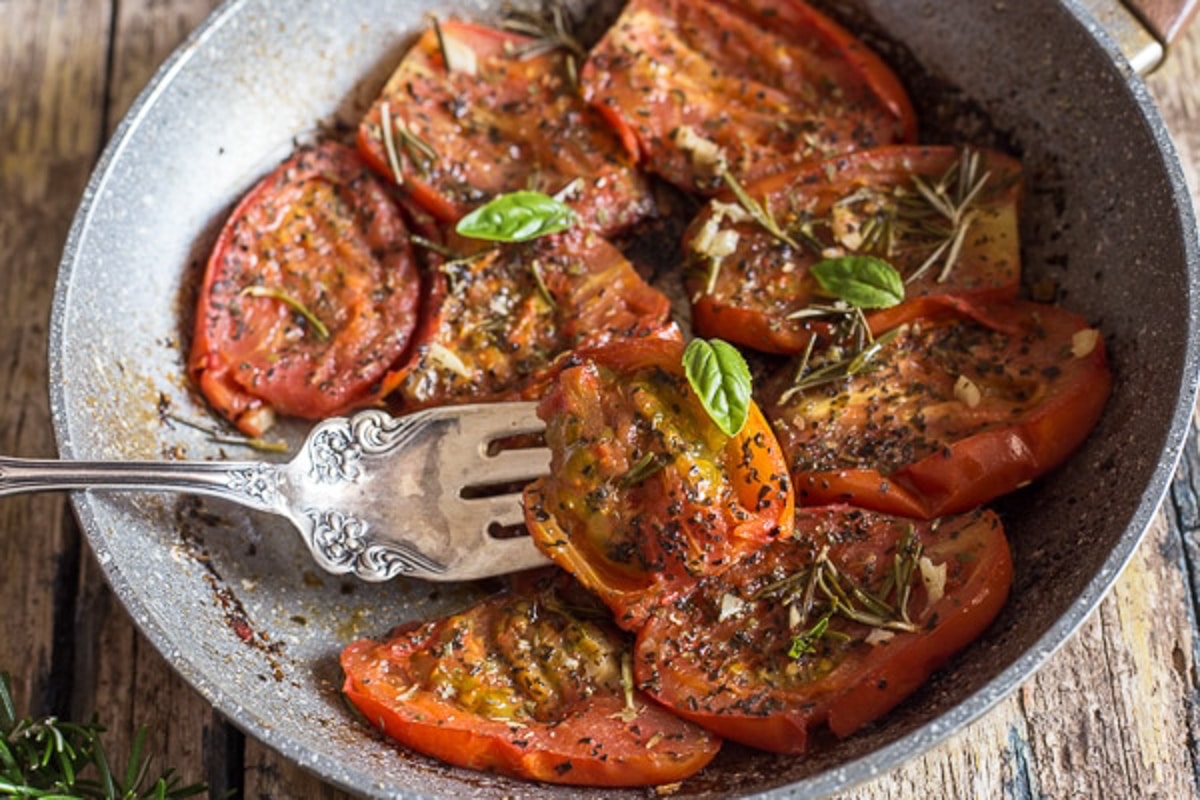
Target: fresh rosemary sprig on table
(48,758)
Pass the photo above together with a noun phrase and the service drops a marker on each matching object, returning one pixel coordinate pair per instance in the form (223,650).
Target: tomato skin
(426,684)
(762,283)
(322,230)
(701,500)
(768,83)
(736,677)
(505,320)
(517,123)
(935,454)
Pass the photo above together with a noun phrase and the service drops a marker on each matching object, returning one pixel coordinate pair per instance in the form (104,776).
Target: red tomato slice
(645,494)
(528,684)
(317,239)
(505,318)
(754,85)
(955,411)
(748,286)
(502,120)
(748,657)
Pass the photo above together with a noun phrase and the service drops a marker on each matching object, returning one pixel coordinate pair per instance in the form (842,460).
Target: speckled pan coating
(1108,218)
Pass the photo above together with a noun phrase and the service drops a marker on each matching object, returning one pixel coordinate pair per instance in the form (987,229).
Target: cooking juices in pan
(752,552)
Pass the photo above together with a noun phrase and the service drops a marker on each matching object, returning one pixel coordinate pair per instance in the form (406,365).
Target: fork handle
(249,483)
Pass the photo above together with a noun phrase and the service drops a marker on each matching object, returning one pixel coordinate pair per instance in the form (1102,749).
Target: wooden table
(1114,714)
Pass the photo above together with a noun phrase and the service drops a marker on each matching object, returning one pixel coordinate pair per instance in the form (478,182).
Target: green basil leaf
(863,281)
(720,378)
(517,217)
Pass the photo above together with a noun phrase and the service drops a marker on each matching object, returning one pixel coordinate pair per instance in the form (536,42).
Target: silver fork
(374,495)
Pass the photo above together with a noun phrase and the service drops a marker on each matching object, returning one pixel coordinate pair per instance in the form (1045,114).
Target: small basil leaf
(517,217)
(720,378)
(863,281)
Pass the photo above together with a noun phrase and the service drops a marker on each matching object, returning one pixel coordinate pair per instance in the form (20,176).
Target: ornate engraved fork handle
(251,484)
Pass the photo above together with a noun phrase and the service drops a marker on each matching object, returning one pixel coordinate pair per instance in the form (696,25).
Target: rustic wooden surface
(1114,714)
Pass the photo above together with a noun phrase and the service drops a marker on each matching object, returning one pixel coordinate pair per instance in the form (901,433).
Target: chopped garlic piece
(934,578)
(966,392)
(723,244)
(1084,342)
(847,227)
(703,152)
(733,212)
(879,636)
(713,242)
(459,55)
(444,357)
(731,606)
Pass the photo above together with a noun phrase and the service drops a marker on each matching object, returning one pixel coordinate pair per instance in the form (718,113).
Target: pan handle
(1164,18)
(1142,28)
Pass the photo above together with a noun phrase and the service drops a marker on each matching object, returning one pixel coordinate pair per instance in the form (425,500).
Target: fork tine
(487,421)
(507,467)
(520,553)
(504,509)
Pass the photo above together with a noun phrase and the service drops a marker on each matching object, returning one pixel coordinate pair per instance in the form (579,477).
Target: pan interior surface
(233,600)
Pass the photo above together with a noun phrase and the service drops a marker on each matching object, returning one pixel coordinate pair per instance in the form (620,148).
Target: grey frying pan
(231,599)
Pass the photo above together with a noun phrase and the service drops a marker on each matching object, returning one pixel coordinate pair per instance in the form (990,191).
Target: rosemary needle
(273,293)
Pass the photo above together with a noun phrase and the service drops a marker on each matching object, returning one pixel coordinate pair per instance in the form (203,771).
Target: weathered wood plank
(51,89)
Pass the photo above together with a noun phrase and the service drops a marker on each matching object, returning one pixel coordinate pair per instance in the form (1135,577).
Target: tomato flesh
(747,656)
(528,684)
(749,85)
(645,494)
(958,409)
(321,234)
(749,286)
(504,319)
(505,119)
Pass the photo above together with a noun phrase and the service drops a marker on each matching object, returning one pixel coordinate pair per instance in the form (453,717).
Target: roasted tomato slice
(945,218)
(833,627)
(503,117)
(310,294)
(645,493)
(530,684)
(504,318)
(954,410)
(751,86)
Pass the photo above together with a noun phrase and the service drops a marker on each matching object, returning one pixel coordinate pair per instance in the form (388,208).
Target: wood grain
(1113,714)
(51,102)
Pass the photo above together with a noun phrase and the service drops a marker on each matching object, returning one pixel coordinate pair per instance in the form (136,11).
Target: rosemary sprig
(806,643)
(539,280)
(274,293)
(389,143)
(215,436)
(54,759)
(649,464)
(864,351)
(759,212)
(925,217)
(944,210)
(419,152)
(436,247)
(885,608)
(550,29)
